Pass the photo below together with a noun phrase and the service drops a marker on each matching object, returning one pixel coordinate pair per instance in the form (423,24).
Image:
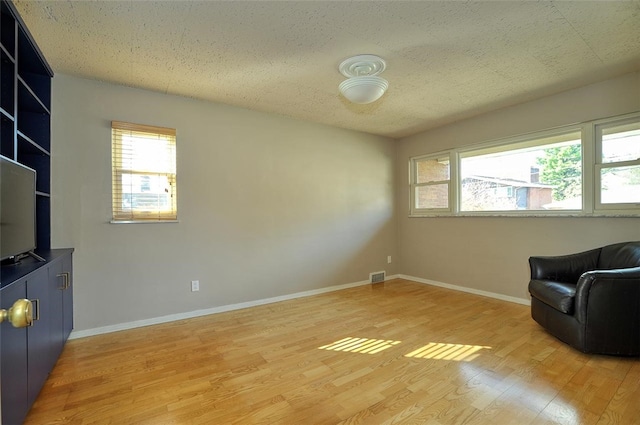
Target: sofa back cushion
(619,256)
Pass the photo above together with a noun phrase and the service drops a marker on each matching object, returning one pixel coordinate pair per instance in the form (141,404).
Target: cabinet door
(39,339)
(56,322)
(67,297)
(61,300)
(13,355)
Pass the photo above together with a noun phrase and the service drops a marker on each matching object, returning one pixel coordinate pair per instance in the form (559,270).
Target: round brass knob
(20,314)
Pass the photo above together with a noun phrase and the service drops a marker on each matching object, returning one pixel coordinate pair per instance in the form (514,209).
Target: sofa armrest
(564,268)
(603,293)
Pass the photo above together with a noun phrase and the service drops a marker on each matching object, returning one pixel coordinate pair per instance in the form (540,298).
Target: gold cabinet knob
(20,314)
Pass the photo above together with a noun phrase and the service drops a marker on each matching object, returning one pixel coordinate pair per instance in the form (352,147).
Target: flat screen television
(17,209)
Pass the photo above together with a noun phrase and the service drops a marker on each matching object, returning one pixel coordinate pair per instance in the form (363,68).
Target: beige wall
(271,206)
(268,206)
(490,254)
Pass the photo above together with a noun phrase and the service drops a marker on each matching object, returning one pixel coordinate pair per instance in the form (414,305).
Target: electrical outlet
(195,285)
(389,259)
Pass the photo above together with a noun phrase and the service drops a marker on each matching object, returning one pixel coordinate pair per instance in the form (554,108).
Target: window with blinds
(144,173)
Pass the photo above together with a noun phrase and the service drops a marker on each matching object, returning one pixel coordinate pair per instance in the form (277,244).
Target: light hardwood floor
(397,352)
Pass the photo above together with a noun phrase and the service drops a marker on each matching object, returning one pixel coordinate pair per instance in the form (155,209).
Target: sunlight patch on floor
(453,352)
(360,345)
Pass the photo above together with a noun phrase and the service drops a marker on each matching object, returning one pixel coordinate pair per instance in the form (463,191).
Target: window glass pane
(621,143)
(543,177)
(432,170)
(432,196)
(620,185)
(146,193)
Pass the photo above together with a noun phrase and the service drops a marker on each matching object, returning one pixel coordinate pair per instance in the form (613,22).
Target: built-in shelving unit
(25,111)
(27,354)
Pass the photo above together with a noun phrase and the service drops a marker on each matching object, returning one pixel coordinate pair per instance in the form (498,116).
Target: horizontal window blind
(144,172)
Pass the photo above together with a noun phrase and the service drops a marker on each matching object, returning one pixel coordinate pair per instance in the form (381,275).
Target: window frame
(413,177)
(599,165)
(122,215)
(591,152)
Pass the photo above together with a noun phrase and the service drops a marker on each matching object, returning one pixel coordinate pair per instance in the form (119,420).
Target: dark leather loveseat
(590,300)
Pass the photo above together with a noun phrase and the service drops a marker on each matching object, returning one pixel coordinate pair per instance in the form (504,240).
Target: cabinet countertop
(14,272)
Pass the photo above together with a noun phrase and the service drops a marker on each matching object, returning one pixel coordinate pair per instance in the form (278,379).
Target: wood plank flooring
(397,352)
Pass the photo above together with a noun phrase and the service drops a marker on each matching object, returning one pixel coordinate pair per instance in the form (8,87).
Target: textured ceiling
(446,60)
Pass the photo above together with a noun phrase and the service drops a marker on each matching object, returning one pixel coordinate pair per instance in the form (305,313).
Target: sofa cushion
(619,256)
(557,295)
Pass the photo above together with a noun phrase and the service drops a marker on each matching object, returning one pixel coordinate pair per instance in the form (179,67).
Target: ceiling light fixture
(363,84)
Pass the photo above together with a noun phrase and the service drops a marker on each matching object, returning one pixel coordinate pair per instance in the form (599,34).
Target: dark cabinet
(13,357)
(29,354)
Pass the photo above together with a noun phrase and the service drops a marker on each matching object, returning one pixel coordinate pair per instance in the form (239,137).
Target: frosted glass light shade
(364,89)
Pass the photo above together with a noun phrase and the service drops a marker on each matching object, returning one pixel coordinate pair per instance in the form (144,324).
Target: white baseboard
(468,290)
(248,304)
(205,312)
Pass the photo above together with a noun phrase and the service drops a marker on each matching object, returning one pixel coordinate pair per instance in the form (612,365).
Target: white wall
(490,254)
(268,206)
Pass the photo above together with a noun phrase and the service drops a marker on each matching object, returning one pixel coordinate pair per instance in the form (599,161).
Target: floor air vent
(376,277)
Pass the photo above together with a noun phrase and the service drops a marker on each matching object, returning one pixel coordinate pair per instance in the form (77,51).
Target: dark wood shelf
(7,136)
(7,83)
(25,110)
(8,30)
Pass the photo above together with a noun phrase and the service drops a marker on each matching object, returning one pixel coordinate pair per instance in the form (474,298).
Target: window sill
(529,215)
(142,221)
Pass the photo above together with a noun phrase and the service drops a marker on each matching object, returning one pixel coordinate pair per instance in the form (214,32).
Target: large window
(144,173)
(539,174)
(592,168)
